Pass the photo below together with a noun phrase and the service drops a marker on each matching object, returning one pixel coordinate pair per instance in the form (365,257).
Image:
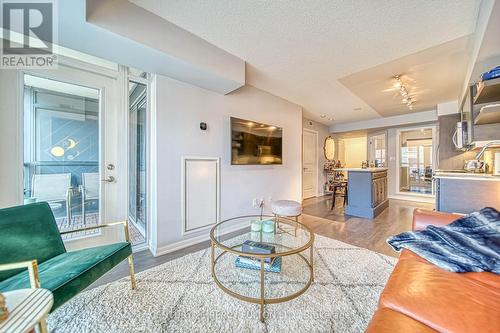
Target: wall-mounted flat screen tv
(255,143)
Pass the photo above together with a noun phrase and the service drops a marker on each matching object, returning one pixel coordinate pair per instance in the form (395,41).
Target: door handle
(110,179)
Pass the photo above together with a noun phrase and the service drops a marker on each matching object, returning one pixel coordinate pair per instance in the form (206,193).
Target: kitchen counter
(465,175)
(367,191)
(462,192)
(361,169)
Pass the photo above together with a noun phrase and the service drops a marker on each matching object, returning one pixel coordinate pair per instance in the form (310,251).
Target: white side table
(28,308)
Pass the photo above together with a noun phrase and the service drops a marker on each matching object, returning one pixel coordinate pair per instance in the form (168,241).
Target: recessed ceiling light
(331,119)
(323,116)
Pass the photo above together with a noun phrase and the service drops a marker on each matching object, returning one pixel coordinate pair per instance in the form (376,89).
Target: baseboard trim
(141,247)
(179,245)
(412,198)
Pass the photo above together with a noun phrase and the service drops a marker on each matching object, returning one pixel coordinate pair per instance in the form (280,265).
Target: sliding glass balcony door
(61,150)
(75,124)
(74,156)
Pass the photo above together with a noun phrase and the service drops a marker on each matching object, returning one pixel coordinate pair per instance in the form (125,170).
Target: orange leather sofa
(420,297)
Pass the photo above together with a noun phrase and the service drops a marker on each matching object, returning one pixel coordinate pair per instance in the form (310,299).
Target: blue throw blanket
(468,244)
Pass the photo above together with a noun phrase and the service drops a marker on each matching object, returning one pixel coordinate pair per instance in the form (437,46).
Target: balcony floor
(93,219)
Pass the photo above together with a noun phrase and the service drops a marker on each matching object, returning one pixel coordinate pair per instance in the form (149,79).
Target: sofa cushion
(386,320)
(488,278)
(422,218)
(69,273)
(28,232)
(442,300)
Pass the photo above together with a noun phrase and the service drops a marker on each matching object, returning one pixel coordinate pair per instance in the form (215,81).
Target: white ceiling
(431,76)
(299,49)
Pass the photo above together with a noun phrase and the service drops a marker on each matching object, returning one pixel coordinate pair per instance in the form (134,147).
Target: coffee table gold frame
(262,300)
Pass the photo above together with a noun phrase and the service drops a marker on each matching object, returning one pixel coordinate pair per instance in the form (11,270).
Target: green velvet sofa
(30,239)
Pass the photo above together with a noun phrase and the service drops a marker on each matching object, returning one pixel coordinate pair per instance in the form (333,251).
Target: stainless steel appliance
(460,137)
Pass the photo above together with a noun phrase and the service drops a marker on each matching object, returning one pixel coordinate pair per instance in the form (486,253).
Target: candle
(268,226)
(256,225)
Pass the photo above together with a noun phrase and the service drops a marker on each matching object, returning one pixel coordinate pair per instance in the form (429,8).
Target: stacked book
(270,264)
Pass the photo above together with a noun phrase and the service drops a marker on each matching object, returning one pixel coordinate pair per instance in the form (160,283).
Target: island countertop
(361,169)
(465,175)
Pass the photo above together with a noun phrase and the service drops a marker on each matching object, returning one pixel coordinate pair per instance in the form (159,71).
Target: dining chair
(339,190)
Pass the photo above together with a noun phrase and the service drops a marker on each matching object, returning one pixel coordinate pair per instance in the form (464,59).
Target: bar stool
(339,190)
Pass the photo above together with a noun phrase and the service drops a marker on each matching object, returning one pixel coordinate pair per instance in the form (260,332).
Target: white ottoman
(286,208)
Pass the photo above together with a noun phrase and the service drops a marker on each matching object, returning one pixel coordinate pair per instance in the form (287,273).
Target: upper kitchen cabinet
(485,116)
(481,112)
(487,96)
(487,91)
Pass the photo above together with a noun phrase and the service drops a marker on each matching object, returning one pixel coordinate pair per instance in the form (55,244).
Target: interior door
(80,140)
(309,164)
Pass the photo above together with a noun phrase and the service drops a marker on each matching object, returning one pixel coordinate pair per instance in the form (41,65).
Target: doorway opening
(416,161)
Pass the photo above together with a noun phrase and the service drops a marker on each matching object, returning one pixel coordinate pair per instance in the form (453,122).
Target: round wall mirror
(329,148)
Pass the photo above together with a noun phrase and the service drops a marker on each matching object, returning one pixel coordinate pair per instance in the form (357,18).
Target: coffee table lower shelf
(262,300)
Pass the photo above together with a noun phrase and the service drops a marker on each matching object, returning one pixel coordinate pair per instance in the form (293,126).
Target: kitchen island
(462,192)
(366,191)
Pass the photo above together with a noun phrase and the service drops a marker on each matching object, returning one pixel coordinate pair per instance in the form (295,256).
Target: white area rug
(180,296)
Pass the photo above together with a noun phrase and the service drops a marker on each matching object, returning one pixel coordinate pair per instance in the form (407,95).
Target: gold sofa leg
(132,274)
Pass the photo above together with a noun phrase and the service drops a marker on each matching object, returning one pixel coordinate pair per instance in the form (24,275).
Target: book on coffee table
(257,248)
(274,266)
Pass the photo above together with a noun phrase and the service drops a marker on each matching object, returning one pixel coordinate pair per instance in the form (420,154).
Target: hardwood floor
(369,234)
(144,260)
(366,233)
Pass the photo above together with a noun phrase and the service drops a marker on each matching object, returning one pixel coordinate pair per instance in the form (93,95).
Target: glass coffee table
(287,276)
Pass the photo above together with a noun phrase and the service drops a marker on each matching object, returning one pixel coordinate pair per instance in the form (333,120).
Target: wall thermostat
(203,126)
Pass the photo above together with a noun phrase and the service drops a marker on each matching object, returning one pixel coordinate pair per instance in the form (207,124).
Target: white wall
(180,109)
(323,133)
(379,123)
(353,151)
(10,144)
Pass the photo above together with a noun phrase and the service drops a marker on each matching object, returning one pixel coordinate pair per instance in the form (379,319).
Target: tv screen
(255,143)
